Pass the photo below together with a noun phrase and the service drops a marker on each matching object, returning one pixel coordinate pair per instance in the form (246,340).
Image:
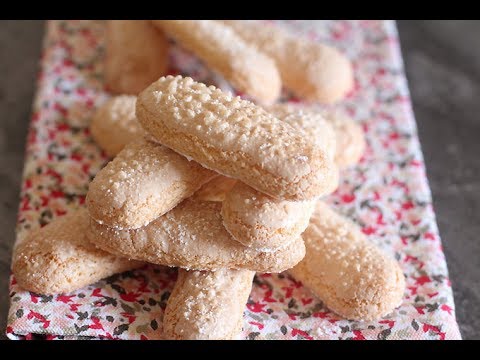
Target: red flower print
(53,173)
(65,298)
(420,309)
(408,205)
(25,204)
(421,280)
(296,284)
(429,236)
(413,290)
(307,301)
(268,297)
(288,291)
(257,324)
(76,157)
(256,307)
(28,184)
(130,296)
(45,200)
(97,292)
(348,198)
(63,127)
(302,333)
(74,307)
(390,323)
(320,314)
(369,230)
(58,107)
(380,220)
(96,324)
(56,194)
(86,168)
(32,314)
(131,318)
(446,308)
(434,329)
(358,335)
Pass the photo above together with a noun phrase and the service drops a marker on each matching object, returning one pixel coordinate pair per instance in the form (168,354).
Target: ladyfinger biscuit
(310,121)
(216,189)
(348,273)
(143,182)
(261,222)
(311,70)
(249,70)
(207,305)
(350,139)
(192,236)
(59,259)
(114,124)
(312,125)
(136,55)
(234,137)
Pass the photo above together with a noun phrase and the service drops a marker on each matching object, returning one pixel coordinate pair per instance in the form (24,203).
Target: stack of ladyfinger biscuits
(216,185)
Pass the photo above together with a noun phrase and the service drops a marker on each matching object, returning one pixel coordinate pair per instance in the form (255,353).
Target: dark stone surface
(443,68)
(20,44)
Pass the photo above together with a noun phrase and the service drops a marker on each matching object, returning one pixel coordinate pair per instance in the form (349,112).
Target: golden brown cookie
(249,70)
(143,182)
(59,259)
(311,70)
(349,140)
(261,222)
(192,236)
(234,137)
(352,276)
(115,124)
(311,124)
(207,305)
(136,55)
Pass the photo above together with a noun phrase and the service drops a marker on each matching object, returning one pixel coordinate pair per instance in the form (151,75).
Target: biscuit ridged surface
(312,125)
(192,236)
(265,223)
(143,182)
(207,305)
(262,222)
(136,55)
(115,124)
(311,70)
(348,273)
(348,137)
(234,137)
(249,70)
(58,258)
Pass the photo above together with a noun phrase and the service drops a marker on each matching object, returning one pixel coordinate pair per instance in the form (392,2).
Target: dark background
(442,60)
